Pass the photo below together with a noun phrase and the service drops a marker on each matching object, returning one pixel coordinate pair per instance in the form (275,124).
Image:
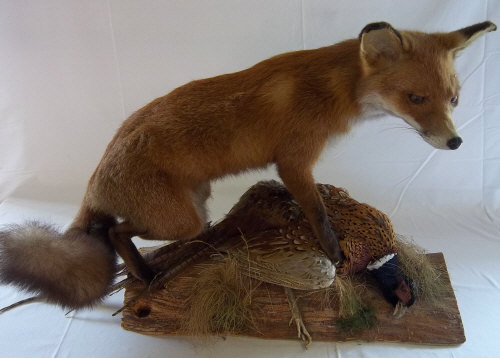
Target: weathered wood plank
(163,312)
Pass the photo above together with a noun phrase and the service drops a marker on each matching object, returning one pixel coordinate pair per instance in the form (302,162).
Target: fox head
(412,76)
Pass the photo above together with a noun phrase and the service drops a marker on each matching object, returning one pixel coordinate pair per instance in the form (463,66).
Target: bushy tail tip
(72,270)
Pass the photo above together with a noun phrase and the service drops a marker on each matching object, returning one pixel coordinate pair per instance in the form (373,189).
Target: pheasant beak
(404,294)
(399,310)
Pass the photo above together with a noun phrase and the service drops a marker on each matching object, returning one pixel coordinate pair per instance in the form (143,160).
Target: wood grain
(163,312)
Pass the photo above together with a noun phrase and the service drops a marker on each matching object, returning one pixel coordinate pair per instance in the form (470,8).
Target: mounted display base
(164,312)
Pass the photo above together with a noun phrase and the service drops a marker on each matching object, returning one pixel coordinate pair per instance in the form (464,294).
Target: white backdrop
(71,71)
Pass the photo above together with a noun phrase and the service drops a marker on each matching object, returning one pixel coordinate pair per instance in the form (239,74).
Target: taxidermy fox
(154,177)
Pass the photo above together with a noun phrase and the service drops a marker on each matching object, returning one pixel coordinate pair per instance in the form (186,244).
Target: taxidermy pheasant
(271,238)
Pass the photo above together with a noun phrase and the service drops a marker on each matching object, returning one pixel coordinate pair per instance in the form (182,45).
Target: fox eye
(454,101)
(416,99)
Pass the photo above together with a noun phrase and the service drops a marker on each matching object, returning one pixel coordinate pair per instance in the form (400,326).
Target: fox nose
(454,143)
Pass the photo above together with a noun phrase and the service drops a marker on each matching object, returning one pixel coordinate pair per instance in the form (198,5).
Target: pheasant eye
(454,100)
(416,99)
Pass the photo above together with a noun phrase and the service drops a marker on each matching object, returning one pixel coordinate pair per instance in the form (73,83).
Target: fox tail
(74,269)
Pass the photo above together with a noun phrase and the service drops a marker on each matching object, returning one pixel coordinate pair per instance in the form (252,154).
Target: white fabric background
(71,71)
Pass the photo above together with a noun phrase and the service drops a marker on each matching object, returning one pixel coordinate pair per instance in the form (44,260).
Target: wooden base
(162,313)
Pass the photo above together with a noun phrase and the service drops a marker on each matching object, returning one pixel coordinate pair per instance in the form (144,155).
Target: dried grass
(345,296)
(221,300)
(353,313)
(415,265)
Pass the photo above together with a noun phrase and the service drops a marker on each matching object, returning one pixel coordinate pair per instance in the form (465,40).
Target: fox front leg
(301,185)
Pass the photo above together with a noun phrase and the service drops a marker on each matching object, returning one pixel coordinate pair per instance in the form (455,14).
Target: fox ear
(460,39)
(379,41)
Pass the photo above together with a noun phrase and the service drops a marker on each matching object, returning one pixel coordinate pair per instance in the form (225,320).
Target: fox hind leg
(155,206)
(179,213)
(121,236)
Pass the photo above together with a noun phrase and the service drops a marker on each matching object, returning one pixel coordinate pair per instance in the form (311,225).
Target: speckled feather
(267,232)
(290,255)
